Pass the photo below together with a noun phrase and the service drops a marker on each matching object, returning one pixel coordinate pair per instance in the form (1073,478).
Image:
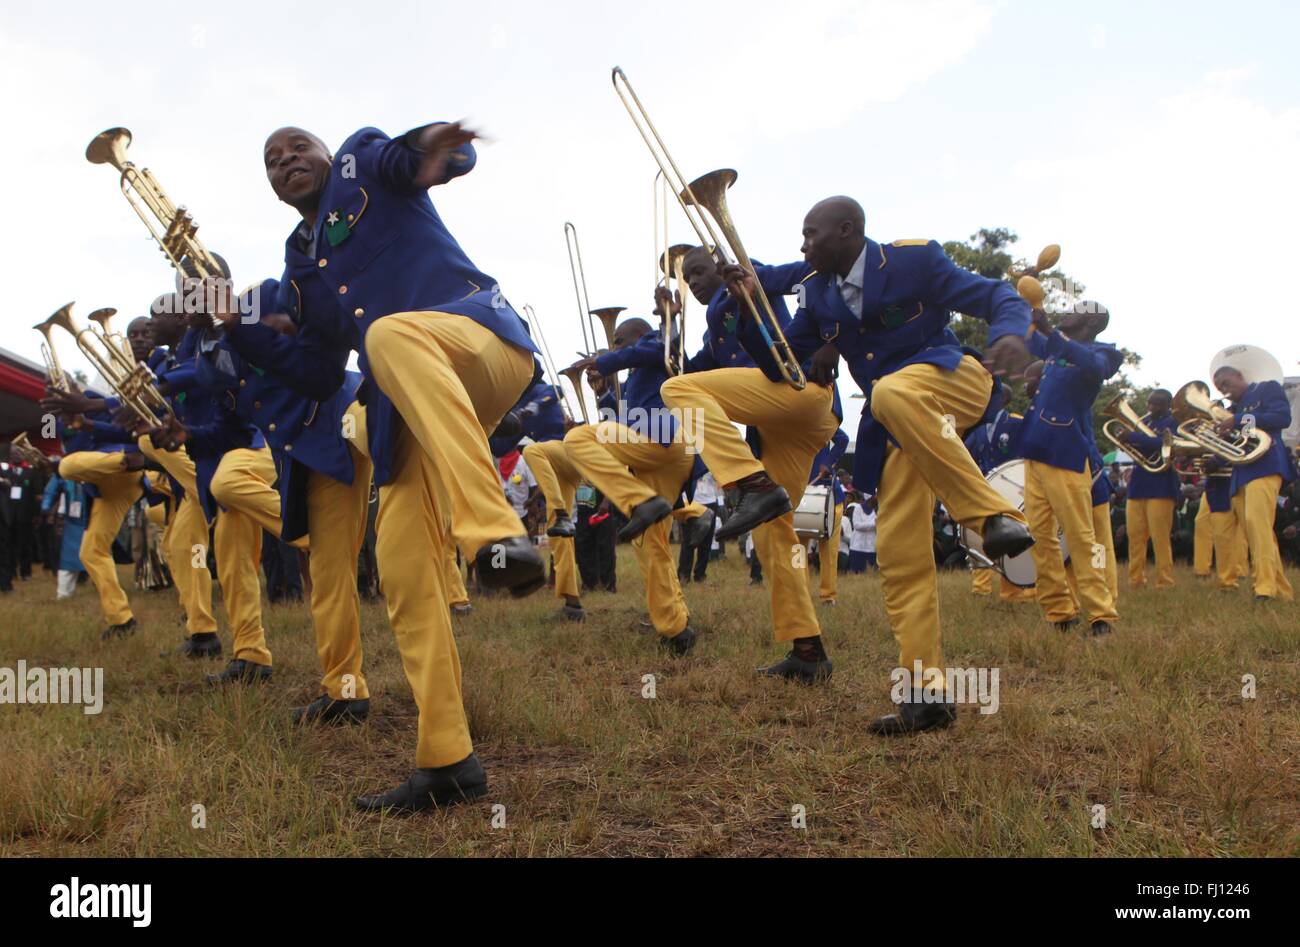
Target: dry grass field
(1150,723)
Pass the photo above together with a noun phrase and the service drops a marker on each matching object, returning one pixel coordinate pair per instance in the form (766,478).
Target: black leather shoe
(759,503)
(325,709)
(427,788)
(239,671)
(512,564)
(573,613)
(644,515)
(200,646)
(1066,626)
(563,527)
(795,668)
(681,644)
(1004,536)
(700,529)
(127,627)
(914,717)
(461,609)
(1100,628)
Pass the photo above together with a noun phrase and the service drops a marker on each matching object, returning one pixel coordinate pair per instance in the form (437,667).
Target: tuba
(1121,419)
(55,377)
(710,193)
(1199,416)
(132,381)
(171,226)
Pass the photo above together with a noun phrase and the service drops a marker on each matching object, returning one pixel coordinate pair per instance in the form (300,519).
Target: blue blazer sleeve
(839,445)
(646,353)
(309,362)
(396,162)
(1100,361)
(994,301)
(1274,413)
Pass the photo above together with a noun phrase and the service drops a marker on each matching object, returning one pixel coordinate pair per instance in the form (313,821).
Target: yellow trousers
(187,532)
(477,378)
(927,410)
(1202,541)
(829,553)
(1256,506)
(793,426)
(118,489)
(242,485)
(1154,520)
(558,479)
(603,453)
(1057,499)
(981,584)
(336,521)
(1101,530)
(452,381)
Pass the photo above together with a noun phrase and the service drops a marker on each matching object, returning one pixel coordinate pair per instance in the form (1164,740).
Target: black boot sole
(736,526)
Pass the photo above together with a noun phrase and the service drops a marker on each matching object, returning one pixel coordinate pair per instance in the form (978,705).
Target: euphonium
(171,226)
(1199,415)
(55,376)
(1121,419)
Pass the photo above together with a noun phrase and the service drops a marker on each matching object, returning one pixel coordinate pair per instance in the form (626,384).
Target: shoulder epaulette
(910,243)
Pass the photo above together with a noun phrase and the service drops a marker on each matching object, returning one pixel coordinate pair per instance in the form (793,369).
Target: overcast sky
(1157,142)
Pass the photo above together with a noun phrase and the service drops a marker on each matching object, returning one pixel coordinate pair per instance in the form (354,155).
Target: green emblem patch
(336,228)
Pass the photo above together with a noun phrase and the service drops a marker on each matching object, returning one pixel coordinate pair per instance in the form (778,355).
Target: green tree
(989,252)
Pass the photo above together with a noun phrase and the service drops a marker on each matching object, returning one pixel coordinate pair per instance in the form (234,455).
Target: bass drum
(1008,480)
(815,515)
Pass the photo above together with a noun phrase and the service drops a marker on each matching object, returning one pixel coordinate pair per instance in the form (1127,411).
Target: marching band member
(106,462)
(824,474)
(651,444)
(372,268)
(1151,498)
(1057,447)
(233,474)
(542,419)
(792,427)
(1262,406)
(324,491)
(1102,491)
(1225,546)
(886,309)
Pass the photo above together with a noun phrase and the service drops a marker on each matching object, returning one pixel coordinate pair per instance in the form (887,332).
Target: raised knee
(674,389)
(887,396)
(381,340)
(582,434)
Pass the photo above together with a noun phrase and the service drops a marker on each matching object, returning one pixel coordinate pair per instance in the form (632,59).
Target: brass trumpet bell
(109,147)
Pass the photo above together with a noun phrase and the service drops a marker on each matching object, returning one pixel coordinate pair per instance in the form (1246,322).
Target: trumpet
(24,450)
(1199,417)
(1122,419)
(132,381)
(710,193)
(56,378)
(172,227)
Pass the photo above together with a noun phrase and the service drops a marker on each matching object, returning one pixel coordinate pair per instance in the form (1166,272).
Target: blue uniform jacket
(1143,485)
(379,248)
(303,435)
(1057,429)
(1267,404)
(995,442)
(912,288)
(214,429)
(1218,493)
(722,346)
(642,400)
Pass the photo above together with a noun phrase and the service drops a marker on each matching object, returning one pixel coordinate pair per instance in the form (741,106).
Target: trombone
(54,373)
(608,317)
(670,260)
(172,227)
(548,363)
(609,320)
(132,381)
(710,193)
